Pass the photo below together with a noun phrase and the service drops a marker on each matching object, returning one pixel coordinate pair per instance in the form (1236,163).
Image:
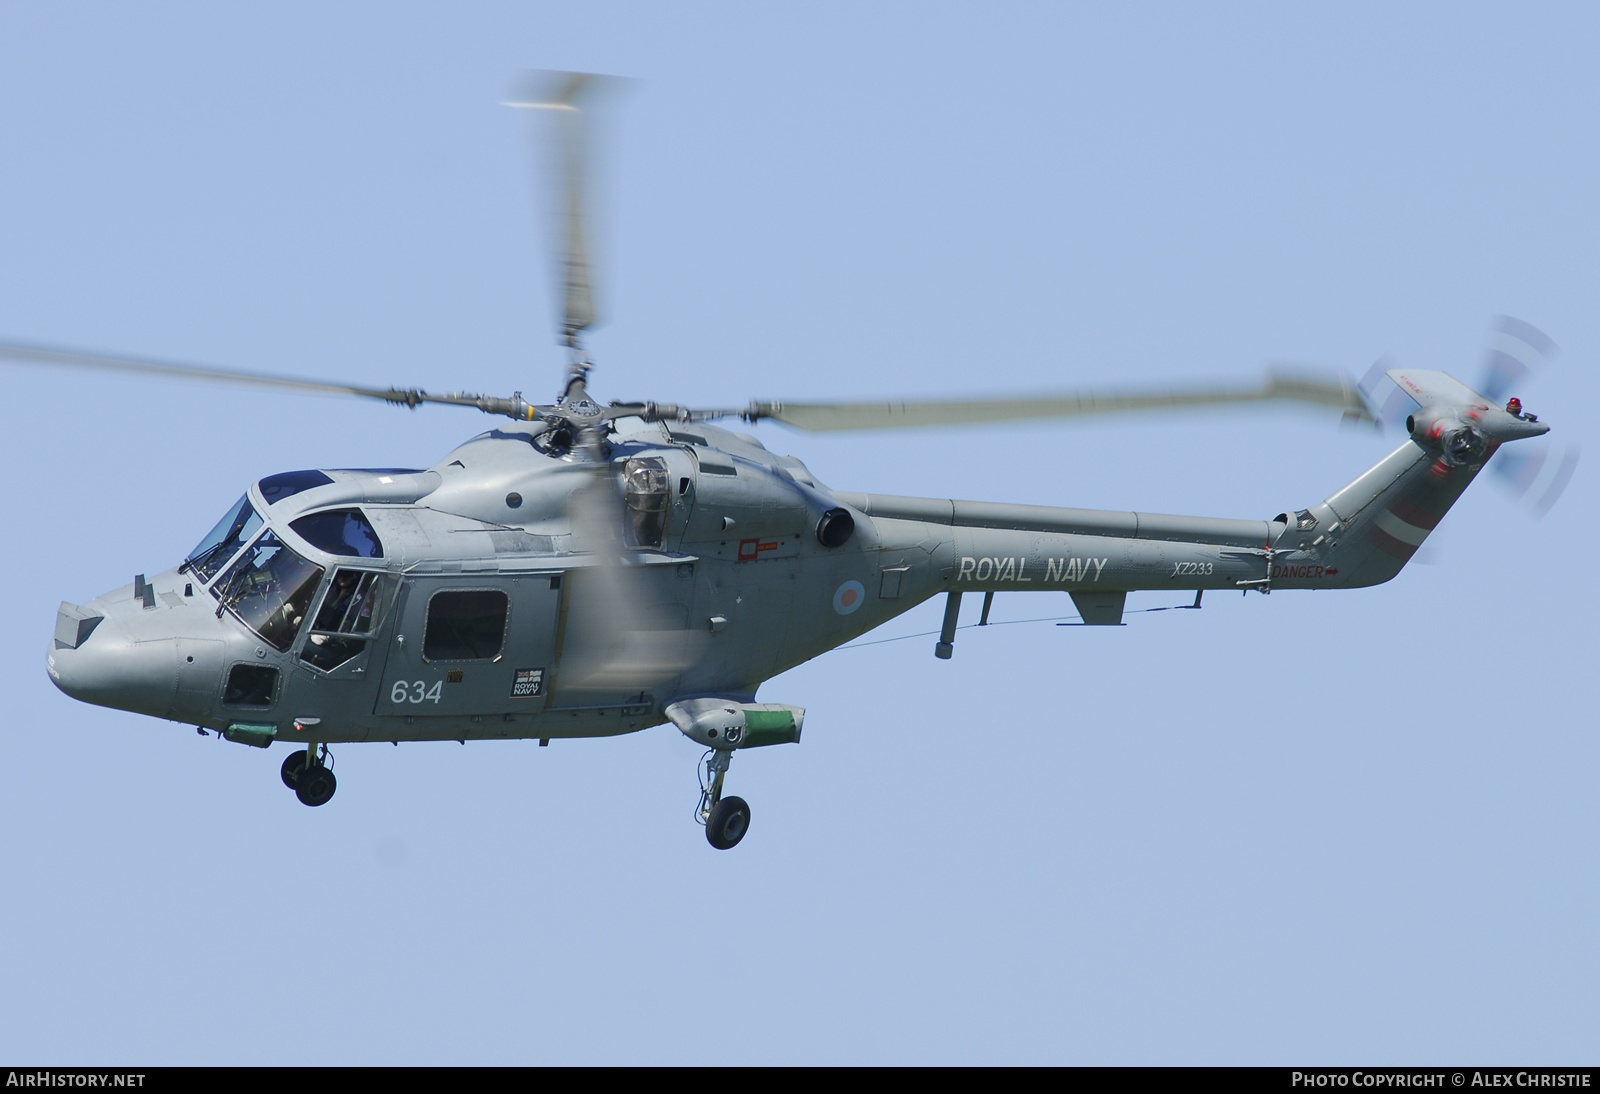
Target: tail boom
(1362,535)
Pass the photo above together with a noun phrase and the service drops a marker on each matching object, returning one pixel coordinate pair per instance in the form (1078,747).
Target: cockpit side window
(224,541)
(340,532)
(352,610)
(270,590)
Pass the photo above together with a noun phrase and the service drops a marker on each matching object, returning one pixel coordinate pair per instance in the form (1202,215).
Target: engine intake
(835,528)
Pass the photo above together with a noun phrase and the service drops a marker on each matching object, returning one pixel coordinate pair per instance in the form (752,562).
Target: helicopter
(586,570)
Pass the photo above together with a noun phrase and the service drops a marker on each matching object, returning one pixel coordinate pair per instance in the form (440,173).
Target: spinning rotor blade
(1538,477)
(147,366)
(1373,383)
(1318,388)
(565,95)
(621,631)
(47,355)
(1518,352)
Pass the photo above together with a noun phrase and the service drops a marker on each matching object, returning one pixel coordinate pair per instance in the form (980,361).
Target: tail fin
(1370,529)
(1374,525)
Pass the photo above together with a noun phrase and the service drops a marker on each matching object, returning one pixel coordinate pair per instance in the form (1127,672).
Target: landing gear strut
(726,819)
(309,773)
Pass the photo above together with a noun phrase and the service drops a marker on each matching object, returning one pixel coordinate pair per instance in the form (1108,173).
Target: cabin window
(224,541)
(469,625)
(352,609)
(340,532)
(270,590)
(250,686)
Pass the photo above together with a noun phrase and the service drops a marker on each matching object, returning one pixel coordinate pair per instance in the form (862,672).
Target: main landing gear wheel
(316,786)
(729,821)
(309,773)
(726,819)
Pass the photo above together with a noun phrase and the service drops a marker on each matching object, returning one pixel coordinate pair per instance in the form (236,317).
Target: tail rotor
(1518,353)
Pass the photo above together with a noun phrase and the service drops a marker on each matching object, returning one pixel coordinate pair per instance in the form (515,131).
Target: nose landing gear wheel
(729,821)
(315,786)
(292,767)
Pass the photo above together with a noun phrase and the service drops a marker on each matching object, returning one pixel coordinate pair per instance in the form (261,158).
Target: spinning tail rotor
(1517,354)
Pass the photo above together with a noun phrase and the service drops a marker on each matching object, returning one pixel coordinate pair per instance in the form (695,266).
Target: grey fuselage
(739,586)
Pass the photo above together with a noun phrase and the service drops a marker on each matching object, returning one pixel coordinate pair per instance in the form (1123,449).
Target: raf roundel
(848,597)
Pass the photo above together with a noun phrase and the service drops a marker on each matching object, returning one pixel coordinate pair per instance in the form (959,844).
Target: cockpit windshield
(231,533)
(270,589)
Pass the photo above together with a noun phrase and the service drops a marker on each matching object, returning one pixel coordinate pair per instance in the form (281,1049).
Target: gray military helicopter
(585,570)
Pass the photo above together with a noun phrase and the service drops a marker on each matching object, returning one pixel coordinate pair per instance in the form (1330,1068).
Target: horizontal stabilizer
(1436,388)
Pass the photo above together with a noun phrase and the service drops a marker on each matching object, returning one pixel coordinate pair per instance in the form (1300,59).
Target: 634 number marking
(415,691)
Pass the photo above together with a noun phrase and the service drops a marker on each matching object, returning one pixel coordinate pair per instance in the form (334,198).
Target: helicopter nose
(110,669)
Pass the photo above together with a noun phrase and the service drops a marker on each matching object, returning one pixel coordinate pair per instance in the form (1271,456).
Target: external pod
(720,724)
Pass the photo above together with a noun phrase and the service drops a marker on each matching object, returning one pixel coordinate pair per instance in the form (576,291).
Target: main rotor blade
(149,366)
(566,95)
(620,633)
(1319,389)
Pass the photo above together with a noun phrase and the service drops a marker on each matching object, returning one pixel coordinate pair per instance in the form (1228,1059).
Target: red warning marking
(1415,515)
(1305,572)
(1389,545)
(751,549)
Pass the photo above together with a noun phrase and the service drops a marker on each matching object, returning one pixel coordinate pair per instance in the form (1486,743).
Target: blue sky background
(1356,828)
